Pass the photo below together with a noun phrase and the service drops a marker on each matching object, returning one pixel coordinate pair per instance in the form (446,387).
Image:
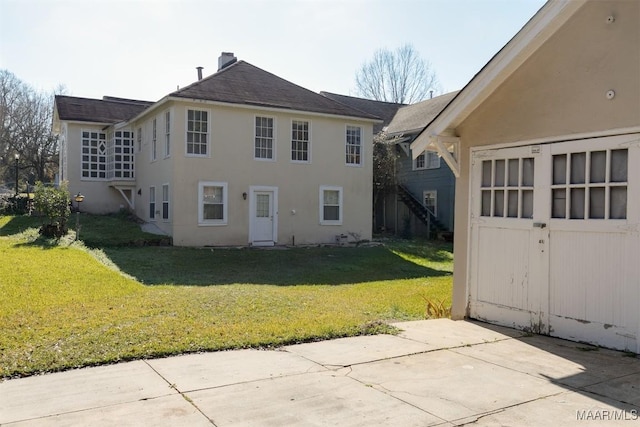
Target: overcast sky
(145,49)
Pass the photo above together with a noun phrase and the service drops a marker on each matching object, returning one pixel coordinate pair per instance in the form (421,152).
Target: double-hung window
(197,133)
(427,160)
(330,205)
(212,203)
(300,141)
(152,203)
(354,145)
(165,201)
(263,142)
(154,139)
(167,133)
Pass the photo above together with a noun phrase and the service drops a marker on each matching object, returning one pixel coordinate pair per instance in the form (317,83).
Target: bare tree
(25,129)
(399,76)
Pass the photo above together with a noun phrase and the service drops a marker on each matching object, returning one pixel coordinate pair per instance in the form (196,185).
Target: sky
(146,49)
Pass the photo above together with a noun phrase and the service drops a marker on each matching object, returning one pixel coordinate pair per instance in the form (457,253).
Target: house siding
(439,179)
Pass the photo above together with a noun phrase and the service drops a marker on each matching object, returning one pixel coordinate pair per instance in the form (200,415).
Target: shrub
(53,203)
(14,205)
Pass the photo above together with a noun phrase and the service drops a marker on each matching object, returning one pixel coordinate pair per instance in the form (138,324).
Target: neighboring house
(239,157)
(546,150)
(426,186)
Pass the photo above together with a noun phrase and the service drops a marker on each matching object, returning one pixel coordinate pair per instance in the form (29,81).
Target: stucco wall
(231,160)
(559,91)
(99,197)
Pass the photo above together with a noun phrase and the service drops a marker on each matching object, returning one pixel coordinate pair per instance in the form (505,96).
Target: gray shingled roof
(243,83)
(106,110)
(413,118)
(384,110)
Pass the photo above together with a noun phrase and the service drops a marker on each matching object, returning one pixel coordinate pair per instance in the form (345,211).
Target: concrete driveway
(435,373)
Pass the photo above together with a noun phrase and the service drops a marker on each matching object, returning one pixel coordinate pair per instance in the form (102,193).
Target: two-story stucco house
(241,157)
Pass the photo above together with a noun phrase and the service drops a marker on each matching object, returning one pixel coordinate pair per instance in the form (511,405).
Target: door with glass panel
(262,217)
(509,238)
(555,239)
(594,278)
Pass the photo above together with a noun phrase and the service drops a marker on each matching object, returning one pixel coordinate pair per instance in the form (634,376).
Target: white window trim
(89,178)
(355,165)
(168,126)
(225,203)
(168,202)
(324,188)
(309,124)
(154,139)
(274,139)
(209,131)
(435,197)
(426,162)
(155,203)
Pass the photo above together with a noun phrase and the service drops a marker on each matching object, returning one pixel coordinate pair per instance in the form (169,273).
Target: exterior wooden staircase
(435,228)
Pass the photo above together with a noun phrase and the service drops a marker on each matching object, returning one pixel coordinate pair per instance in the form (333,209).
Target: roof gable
(413,118)
(534,34)
(246,84)
(106,110)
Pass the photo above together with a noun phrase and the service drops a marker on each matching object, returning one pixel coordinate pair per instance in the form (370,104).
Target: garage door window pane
(560,169)
(596,203)
(486,173)
(498,204)
(527,172)
(499,174)
(618,203)
(527,204)
(559,204)
(512,204)
(578,163)
(514,171)
(486,203)
(598,166)
(619,165)
(577,203)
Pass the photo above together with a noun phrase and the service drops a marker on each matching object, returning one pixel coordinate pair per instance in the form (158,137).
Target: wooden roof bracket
(448,147)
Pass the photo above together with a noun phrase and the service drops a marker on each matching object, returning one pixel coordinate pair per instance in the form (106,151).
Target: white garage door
(555,239)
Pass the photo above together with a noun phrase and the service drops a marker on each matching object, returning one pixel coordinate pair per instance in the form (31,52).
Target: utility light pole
(17,157)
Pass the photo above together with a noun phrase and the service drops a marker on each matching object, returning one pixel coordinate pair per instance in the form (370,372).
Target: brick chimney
(226,59)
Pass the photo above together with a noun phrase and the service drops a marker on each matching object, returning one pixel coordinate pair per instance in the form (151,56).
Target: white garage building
(545,143)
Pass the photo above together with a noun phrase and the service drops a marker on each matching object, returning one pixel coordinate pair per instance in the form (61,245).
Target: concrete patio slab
(207,370)
(441,333)
(565,409)
(77,390)
(168,411)
(438,372)
(625,389)
(352,351)
(452,386)
(574,364)
(317,399)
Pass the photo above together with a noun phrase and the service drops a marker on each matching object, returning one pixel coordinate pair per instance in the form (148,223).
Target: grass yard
(67,305)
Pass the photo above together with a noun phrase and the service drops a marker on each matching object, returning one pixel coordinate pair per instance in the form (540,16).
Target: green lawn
(67,305)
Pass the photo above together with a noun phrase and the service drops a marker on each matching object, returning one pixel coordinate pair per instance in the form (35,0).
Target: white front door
(555,239)
(263,216)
